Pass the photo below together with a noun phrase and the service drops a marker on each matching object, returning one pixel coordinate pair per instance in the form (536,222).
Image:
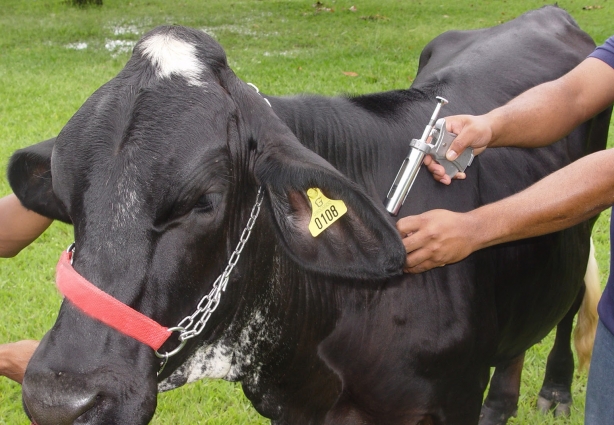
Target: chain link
(191,326)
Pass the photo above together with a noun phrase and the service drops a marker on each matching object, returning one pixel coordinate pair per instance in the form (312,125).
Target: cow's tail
(586,326)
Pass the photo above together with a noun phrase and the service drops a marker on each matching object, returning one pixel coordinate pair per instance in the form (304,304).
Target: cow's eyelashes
(207,203)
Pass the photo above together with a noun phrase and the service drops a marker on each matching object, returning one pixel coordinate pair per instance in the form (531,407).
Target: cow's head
(158,172)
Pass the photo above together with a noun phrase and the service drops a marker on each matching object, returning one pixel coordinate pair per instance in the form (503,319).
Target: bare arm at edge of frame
(19,227)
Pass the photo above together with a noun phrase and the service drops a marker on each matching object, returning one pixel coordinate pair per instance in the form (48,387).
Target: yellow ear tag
(324,211)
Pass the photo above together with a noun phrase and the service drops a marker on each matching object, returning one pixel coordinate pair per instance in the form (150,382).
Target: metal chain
(193,325)
(207,305)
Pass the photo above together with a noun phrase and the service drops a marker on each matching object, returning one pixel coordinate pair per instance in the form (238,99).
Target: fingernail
(451,155)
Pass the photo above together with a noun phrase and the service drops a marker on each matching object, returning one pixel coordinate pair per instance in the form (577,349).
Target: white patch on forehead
(173,56)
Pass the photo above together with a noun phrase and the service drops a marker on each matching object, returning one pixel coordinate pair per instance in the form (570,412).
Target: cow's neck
(275,305)
(290,313)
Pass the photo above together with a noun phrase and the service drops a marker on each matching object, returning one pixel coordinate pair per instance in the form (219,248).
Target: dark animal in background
(159,170)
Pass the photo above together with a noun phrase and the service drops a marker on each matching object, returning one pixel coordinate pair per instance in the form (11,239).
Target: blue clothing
(600,388)
(599,408)
(605,52)
(606,304)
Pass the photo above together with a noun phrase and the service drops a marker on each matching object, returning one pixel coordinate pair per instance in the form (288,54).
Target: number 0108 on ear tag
(324,211)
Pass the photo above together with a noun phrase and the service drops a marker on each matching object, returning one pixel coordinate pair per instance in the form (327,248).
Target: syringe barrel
(404,180)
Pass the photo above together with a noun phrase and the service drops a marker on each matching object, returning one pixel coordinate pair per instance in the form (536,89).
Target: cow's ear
(361,243)
(29,175)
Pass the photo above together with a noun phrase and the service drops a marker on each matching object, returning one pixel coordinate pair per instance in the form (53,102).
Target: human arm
(18,226)
(537,117)
(567,197)
(14,358)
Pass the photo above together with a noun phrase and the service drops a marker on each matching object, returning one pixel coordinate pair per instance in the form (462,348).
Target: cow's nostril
(56,408)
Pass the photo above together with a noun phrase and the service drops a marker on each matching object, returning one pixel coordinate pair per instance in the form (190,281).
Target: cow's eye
(207,203)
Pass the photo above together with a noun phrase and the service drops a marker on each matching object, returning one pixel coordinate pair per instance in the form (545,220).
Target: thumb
(471,131)
(456,124)
(457,147)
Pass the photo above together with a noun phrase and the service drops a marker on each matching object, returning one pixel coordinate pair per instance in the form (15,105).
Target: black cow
(159,171)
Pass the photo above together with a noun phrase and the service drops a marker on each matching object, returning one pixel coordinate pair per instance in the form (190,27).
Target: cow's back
(487,67)
(533,282)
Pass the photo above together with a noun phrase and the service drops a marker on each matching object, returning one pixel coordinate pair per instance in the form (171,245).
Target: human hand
(14,358)
(472,131)
(436,238)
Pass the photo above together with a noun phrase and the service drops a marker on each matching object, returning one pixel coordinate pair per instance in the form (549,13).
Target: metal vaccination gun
(440,140)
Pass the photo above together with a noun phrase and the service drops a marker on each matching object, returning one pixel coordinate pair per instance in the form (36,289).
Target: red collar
(103,307)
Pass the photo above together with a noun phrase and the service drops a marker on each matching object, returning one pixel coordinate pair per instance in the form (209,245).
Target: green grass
(281,46)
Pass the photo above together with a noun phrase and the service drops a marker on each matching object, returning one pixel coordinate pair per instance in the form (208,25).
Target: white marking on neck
(224,359)
(173,56)
(211,361)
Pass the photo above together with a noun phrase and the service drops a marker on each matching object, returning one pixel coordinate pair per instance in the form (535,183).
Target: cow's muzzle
(79,397)
(62,407)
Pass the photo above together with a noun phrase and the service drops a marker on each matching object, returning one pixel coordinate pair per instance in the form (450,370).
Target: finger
(460,176)
(455,123)
(414,244)
(421,268)
(442,178)
(438,172)
(445,179)
(407,226)
(418,259)
(435,168)
(414,270)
